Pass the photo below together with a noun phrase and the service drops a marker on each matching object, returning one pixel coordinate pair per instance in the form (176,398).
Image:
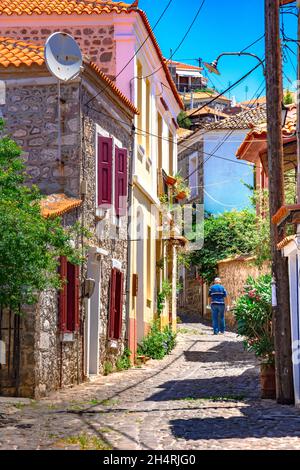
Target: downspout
(129,245)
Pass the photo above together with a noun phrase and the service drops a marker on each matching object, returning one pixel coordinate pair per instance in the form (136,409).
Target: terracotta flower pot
(181,195)
(267,381)
(170,180)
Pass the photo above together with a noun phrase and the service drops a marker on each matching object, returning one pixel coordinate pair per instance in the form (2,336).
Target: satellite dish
(63,56)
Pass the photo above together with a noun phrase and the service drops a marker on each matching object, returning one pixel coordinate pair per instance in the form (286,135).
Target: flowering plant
(253,311)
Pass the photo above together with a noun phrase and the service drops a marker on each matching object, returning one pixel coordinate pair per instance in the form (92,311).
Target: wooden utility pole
(281,314)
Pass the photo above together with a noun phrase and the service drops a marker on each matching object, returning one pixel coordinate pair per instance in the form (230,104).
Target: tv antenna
(63,59)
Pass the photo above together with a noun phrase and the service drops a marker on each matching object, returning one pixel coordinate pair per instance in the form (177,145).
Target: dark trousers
(218,317)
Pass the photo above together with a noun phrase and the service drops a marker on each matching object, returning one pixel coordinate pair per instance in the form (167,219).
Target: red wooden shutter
(63,295)
(104,171)
(119,304)
(120,181)
(70,296)
(76,300)
(112,304)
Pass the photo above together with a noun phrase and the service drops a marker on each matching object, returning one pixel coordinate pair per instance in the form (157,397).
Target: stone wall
(234,273)
(30,114)
(95,41)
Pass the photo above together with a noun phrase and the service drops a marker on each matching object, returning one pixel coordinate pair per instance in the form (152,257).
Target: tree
(183,120)
(288,98)
(225,235)
(30,245)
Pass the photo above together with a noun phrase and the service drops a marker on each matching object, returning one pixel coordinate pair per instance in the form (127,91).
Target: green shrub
(157,343)
(123,363)
(107,368)
(253,311)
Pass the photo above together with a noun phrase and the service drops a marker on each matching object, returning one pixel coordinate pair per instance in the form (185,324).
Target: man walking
(217,295)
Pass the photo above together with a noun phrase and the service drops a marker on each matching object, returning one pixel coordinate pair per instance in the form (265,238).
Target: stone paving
(205,395)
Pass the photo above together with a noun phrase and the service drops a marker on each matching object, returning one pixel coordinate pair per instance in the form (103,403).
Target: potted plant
(182,190)
(170,180)
(253,311)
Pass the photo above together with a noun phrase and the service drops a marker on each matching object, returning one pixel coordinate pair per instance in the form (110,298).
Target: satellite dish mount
(64,61)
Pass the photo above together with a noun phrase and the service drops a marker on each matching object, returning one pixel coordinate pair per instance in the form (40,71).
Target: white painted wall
(223,180)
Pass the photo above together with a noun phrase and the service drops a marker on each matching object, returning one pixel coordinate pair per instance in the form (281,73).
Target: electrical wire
(180,43)
(228,89)
(222,143)
(136,52)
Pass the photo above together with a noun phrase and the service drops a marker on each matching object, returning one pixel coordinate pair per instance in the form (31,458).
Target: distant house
(194,100)
(205,115)
(207,159)
(187,77)
(67,336)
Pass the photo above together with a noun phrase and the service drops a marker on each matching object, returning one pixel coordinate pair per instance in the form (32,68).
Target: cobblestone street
(205,395)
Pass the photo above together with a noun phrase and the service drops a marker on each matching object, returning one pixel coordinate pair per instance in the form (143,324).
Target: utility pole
(281,309)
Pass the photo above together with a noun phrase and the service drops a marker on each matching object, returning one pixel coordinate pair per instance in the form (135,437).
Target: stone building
(68,336)
(119,39)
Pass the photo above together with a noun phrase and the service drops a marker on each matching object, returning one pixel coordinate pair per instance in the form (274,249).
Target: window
(140,100)
(116,304)
(104,171)
(194,175)
(120,181)
(149,264)
(171,152)
(107,184)
(69,296)
(148,116)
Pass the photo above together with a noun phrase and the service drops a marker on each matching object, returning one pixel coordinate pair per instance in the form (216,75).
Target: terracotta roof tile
(79,7)
(285,242)
(56,205)
(206,110)
(182,66)
(245,120)
(17,53)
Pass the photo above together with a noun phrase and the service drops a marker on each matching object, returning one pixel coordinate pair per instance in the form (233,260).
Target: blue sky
(223,25)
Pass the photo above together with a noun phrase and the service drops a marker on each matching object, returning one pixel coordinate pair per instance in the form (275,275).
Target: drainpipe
(129,245)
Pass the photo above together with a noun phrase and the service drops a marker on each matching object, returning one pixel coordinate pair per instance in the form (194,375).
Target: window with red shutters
(69,297)
(116,304)
(120,181)
(104,171)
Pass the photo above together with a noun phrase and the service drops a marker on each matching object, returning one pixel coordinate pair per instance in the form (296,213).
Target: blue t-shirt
(217,293)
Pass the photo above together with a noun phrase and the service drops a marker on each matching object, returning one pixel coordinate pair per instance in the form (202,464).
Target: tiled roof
(114,88)
(206,110)
(182,133)
(79,7)
(17,53)
(245,120)
(260,131)
(58,204)
(205,95)
(182,66)
(285,242)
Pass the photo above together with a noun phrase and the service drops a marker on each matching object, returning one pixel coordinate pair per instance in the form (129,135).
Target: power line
(136,52)
(223,141)
(227,89)
(253,43)
(179,45)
